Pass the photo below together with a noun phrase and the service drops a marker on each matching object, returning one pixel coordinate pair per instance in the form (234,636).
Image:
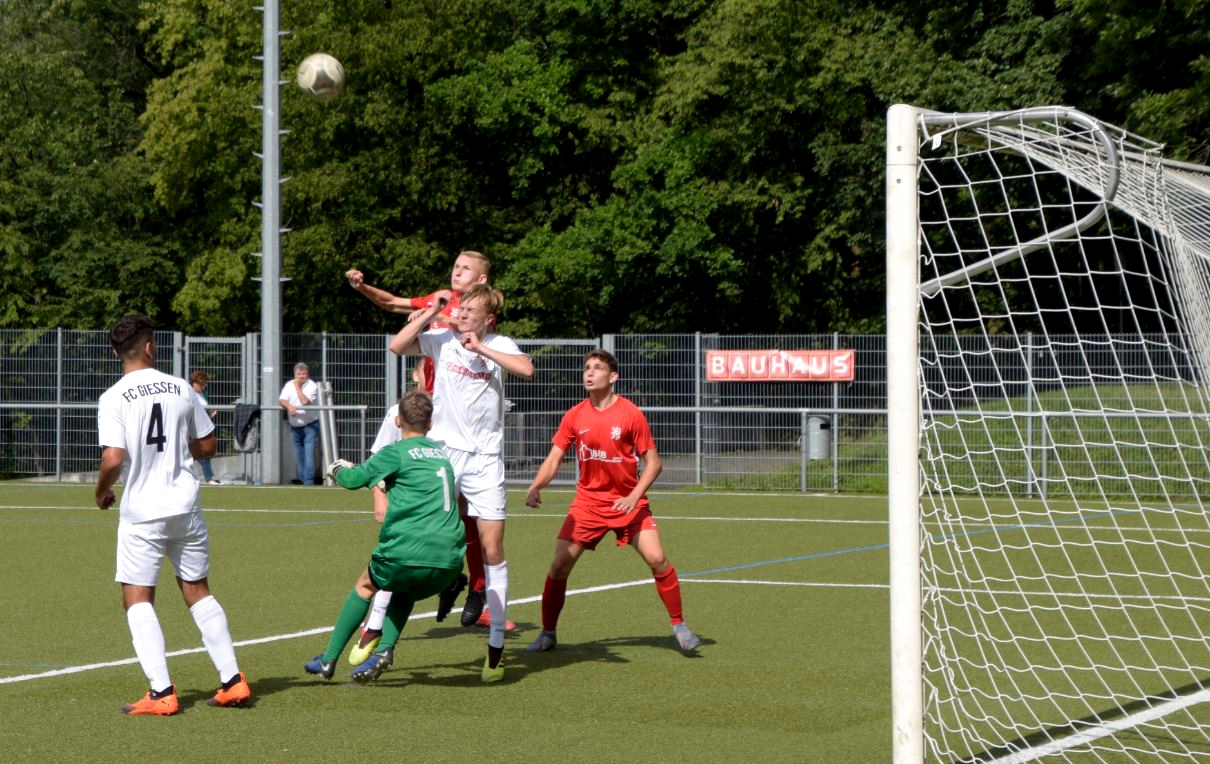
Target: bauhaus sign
(779,365)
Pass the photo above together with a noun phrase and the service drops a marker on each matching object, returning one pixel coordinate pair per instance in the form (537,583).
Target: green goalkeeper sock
(398,613)
(349,620)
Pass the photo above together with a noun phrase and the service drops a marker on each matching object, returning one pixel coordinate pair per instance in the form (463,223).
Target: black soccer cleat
(475,602)
(447,597)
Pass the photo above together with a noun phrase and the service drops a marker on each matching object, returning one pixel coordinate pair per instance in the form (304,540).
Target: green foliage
(629,166)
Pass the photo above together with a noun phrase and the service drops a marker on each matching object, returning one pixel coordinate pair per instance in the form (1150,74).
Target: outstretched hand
(356,278)
(337,466)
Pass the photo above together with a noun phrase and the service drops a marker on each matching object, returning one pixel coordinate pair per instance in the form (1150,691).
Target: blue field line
(934,537)
(779,561)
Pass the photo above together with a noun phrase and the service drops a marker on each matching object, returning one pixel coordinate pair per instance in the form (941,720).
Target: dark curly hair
(130,332)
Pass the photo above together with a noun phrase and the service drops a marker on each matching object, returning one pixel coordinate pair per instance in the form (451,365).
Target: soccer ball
(321,76)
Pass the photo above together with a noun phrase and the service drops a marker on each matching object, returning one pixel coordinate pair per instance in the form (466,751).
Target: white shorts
(142,547)
(480,478)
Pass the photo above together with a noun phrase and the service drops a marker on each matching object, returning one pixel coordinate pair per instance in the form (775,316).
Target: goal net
(1049,355)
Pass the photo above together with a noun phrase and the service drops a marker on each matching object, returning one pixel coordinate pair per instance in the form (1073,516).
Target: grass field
(787,591)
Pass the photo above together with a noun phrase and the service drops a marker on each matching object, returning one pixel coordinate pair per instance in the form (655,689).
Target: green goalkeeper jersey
(422,527)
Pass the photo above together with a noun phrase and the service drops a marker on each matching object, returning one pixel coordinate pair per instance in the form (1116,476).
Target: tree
(79,234)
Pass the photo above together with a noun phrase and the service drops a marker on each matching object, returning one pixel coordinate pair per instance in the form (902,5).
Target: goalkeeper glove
(337,466)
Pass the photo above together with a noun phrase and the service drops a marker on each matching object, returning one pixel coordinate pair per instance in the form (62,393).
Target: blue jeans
(207,470)
(305,440)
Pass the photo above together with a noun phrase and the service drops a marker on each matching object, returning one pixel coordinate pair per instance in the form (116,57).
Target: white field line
(520,515)
(1104,730)
(325,629)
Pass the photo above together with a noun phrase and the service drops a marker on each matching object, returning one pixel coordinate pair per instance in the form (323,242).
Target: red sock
(669,588)
(554,594)
(474,555)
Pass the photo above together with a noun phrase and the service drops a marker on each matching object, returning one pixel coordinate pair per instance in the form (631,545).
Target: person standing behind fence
(610,434)
(150,428)
(198,381)
(295,397)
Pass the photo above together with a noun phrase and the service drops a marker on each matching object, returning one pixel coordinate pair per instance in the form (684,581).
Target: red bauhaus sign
(779,365)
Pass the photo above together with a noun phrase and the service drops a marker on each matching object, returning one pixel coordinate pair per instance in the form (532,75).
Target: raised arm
(407,341)
(379,297)
(514,363)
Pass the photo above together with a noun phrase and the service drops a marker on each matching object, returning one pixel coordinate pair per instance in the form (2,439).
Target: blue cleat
(543,643)
(317,666)
(373,666)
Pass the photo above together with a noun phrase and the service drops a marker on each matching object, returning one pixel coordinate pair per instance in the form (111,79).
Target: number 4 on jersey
(155,428)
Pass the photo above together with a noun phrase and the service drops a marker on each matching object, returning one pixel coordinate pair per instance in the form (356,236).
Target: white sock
(148,640)
(378,609)
(497,601)
(212,623)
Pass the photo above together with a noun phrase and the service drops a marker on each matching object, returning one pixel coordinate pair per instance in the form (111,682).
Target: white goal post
(1048,357)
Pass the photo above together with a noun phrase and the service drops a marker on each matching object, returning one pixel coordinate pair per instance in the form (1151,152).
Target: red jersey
(426,363)
(608,445)
(451,308)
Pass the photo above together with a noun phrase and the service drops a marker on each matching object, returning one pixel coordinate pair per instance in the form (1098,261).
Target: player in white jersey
(468,420)
(151,429)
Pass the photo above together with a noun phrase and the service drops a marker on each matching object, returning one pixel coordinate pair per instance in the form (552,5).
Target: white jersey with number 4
(153,416)
(468,392)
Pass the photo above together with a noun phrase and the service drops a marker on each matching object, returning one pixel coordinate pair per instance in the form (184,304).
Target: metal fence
(789,436)
(741,435)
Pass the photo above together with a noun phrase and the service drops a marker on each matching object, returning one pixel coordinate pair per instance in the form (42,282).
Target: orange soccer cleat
(163,703)
(237,694)
(485,619)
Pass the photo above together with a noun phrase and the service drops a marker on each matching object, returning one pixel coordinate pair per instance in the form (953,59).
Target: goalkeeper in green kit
(421,544)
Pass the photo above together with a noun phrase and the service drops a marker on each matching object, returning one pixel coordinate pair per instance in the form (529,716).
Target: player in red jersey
(610,435)
(470,267)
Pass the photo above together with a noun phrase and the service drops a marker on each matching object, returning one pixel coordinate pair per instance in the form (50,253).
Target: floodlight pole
(270,205)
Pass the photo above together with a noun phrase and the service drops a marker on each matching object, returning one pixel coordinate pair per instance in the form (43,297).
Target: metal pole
(59,400)
(699,361)
(903,437)
(270,303)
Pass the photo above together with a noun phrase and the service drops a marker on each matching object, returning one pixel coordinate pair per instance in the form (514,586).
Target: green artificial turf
(787,592)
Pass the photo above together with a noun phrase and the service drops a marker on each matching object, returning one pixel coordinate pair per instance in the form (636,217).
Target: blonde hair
(491,300)
(482,258)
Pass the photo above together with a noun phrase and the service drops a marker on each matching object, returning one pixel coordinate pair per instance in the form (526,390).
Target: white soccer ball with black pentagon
(321,76)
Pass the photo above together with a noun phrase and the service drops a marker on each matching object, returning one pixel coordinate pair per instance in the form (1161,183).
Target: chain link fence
(723,435)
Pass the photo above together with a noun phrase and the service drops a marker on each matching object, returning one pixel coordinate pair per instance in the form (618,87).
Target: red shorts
(586,527)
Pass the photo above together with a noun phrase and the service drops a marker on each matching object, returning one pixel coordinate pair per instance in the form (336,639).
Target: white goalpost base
(1048,314)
